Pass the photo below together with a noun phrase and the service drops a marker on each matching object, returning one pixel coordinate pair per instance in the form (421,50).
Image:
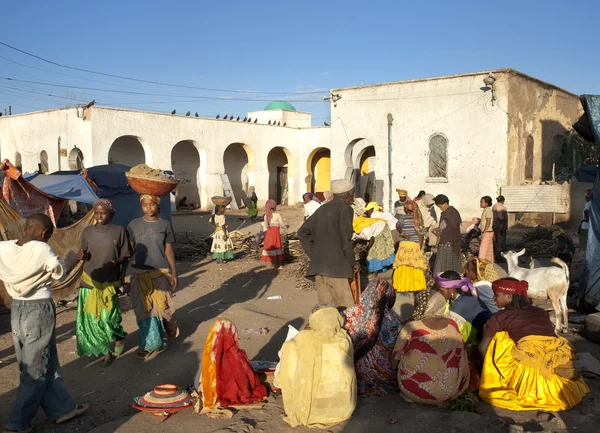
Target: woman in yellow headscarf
(316,376)
(526,366)
(380,247)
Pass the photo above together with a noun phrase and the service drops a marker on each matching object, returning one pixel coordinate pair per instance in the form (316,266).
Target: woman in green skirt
(105,250)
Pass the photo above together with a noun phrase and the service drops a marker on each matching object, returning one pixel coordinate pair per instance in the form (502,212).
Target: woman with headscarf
(464,301)
(154,277)
(409,263)
(373,328)
(226,377)
(432,361)
(311,204)
(222,246)
(105,252)
(275,228)
(526,366)
(380,247)
(316,372)
(251,201)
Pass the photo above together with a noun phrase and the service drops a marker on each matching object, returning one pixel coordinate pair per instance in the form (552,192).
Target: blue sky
(284,46)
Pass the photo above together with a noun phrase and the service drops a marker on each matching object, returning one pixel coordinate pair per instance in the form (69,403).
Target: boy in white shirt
(27,267)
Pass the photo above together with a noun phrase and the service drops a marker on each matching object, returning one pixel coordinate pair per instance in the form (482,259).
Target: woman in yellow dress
(526,366)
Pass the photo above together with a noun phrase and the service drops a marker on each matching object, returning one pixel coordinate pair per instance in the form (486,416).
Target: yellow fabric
(510,384)
(374,206)
(316,376)
(208,375)
(486,271)
(410,254)
(409,279)
(101,296)
(360,223)
(151,295)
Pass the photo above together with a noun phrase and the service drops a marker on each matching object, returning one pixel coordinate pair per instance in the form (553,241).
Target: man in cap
(327,239)
(399,205)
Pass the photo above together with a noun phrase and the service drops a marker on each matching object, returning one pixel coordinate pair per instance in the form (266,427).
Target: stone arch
(239,165)
(44,167)
(353,157)
(185,163)
(127,150)
(76,159)
(280,166)
(318,169)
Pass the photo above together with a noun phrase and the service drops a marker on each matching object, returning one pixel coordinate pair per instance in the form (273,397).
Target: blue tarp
(590,277)
(586,174)
(68,187)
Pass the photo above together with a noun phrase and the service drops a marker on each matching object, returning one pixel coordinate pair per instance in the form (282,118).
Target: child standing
(27,267)
(222,247)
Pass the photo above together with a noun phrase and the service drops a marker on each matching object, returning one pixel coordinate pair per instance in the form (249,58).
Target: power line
(150,81)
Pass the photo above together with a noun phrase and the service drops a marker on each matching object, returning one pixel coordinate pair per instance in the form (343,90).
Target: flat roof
(468,74)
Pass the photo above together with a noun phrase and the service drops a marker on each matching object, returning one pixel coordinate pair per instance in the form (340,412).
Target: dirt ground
(239,291)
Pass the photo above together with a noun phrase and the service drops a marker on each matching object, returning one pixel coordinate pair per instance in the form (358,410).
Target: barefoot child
(27,267)
(222,247)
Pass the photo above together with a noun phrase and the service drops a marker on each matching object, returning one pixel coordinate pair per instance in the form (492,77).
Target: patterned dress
(374,370)
(221,248)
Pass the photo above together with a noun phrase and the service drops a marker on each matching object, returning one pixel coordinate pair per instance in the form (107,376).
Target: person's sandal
(142,354)
(26,430)
(79,409)
(108,362)
(119,350)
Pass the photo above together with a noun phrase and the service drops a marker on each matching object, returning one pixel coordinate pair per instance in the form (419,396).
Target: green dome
(280,105)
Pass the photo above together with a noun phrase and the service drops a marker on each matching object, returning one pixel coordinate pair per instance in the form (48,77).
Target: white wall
(293,119)
(455,107)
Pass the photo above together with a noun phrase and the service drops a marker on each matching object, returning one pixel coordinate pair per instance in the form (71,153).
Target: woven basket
(151,184)
(223,201)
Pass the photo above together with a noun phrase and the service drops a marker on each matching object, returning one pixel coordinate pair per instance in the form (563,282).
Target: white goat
(546,282)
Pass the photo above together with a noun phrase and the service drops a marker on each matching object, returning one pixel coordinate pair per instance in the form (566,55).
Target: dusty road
(239,291)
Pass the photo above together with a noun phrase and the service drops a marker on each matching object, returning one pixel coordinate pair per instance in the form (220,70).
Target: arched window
(529,158)
(44,169)
(18,162)
(438,156)
(76,159)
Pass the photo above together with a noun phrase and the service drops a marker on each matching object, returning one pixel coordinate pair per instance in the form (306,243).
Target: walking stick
(355,287)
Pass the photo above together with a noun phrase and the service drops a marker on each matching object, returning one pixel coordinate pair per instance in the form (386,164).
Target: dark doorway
(282,186)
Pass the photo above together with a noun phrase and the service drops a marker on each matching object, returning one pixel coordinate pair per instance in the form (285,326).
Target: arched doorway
(238,161)
(318,167)
(185,162)
(44,166)
(127,150)
(18,161)
(76,159)
(278,163)
(361,160)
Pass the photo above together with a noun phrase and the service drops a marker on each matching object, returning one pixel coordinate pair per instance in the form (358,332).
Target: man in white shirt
(27,267)
(311,204)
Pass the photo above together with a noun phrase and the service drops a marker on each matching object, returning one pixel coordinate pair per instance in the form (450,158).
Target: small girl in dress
(222,247)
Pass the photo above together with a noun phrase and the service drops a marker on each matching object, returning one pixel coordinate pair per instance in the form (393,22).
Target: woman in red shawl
(274,226)
(226,378)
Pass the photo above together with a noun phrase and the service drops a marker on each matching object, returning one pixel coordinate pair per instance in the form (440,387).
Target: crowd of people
(441,328)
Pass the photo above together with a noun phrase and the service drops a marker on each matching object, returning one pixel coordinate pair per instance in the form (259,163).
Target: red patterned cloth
(25,198)
(273,247)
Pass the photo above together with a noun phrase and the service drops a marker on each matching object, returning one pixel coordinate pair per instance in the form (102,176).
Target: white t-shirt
(28,270)
(391,219)
(310,208)
(586,225)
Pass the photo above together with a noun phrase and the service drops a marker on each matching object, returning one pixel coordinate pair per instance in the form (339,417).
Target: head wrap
(269,206)
(374,206)
(153,198)
(428,200)
(359,206)
(402,192)
(463,284)
(436,305)
(311,196)
(320,306)
(511,287)
(106,204)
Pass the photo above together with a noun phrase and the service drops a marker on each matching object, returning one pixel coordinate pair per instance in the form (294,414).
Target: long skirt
(410,266)
(222,248)
(486,249)
(155,326)
(273,251)
(381,255)
(94,335)
(516,384)
(446,260)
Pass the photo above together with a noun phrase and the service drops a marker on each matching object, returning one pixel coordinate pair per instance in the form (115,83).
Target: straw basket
(223,201)
(151,184)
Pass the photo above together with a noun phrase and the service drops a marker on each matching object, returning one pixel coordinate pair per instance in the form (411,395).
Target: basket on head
(222,201)
(152,185)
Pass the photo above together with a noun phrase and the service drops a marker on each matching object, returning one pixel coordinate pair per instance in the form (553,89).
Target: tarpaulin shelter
(66,186)
(589,128)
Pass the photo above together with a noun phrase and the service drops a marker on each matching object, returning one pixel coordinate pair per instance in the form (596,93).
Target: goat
(546,282)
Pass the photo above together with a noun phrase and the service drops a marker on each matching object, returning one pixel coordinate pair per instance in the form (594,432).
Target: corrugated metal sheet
(537,198)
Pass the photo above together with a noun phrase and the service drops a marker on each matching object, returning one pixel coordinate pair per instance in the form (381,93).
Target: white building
(448,135)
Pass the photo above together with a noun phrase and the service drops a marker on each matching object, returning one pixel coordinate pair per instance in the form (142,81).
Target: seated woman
(483,274)
(465,302)
(380,248)
(226,376)
(316,372)
(373,328)
(430,354)
(526,366)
